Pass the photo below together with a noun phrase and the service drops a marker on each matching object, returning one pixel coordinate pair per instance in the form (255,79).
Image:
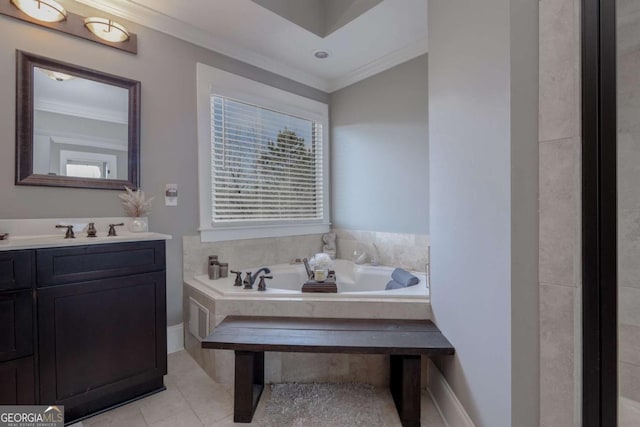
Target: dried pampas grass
(135,203)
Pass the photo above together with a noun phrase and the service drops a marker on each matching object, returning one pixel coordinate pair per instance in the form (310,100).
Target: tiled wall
(629,219)
(559,271)
(242,254)
(410,251)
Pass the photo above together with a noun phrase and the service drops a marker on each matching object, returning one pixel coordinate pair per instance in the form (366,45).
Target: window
(86,164)
(83,170)
(266,165)
(263,159)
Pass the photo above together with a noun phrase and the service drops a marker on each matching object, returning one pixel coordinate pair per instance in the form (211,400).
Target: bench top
(312,335)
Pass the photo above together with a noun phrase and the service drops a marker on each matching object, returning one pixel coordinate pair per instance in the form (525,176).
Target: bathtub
(354,281)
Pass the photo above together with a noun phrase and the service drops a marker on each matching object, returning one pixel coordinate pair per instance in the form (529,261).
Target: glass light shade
(56,75)
(107,29)
(42,10)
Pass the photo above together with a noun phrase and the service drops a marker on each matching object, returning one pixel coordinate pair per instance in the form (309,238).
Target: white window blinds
(266,166)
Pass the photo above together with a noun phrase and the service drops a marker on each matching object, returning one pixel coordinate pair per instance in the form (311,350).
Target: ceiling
(81,98)
(363,37)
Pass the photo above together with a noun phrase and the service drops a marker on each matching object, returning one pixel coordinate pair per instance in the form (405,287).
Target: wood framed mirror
(75,127)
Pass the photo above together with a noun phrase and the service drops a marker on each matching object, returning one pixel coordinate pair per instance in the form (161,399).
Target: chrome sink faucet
(250,279)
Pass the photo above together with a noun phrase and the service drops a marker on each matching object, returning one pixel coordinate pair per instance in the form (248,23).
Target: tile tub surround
(241,254)
(402,250)
(560,212)
(409,251)
(296,367)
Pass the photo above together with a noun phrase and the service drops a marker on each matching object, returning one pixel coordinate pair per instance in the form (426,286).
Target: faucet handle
(247,281)
(112,229)
(238,281)
(262,286)
(69,234)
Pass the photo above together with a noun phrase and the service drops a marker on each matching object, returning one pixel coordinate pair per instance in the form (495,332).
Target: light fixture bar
(73,25)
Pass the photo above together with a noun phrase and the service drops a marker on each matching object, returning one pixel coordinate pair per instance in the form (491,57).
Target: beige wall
(380,151)
(166,67)
(483,161)
(560,281)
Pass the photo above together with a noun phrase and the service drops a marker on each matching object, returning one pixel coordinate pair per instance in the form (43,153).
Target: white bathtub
(354,281)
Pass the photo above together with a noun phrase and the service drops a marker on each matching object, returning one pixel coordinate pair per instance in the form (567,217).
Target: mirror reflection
(80,127)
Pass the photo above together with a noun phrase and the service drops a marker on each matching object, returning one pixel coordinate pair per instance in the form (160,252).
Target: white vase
(138,225)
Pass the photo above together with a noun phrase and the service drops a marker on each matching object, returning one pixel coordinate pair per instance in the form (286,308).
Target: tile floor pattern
(192,399)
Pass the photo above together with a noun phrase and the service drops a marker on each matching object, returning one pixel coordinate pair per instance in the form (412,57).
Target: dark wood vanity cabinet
(17,369)
(17,382)
(100,329)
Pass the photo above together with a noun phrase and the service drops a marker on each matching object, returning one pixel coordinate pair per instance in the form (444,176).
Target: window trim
(211,80)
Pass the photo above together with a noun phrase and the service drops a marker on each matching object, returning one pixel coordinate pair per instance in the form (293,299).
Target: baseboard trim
(175,338)
(445,400)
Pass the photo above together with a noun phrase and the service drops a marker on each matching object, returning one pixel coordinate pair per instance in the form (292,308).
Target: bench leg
(405,388)
(248,385)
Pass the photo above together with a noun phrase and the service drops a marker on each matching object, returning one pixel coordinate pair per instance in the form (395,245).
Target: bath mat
(324,405)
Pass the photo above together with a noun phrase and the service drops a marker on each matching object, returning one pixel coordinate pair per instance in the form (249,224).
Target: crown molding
(83,111)
(134,12)
(142,15)
(410,51)
(114,146)
(74,138)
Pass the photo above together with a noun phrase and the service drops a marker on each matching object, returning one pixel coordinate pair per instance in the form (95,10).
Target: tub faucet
(250,279)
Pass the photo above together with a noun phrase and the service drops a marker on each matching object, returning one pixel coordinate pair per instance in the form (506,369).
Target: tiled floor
(192,399)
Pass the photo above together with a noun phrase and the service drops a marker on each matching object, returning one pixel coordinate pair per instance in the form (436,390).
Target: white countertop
(58,240)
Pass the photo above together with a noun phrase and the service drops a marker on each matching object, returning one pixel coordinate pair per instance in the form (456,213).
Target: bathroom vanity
(83,322)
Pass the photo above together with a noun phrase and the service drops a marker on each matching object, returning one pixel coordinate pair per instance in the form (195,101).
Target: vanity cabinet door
(16,325)
(101,342)
(17,386)
(16,270)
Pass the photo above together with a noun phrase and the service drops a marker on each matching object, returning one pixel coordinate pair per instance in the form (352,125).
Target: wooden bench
(404,340)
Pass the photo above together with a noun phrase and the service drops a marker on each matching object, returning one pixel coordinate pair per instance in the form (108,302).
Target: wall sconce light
(50,14)
(42,10)
(107,29)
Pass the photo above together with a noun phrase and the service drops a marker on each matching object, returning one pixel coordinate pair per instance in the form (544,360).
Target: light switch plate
(171,195)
